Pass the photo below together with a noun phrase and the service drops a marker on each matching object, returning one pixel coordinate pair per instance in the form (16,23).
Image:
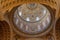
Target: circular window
(32,18)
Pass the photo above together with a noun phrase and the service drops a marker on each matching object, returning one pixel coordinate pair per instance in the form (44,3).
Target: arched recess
(5,31)
(58,29)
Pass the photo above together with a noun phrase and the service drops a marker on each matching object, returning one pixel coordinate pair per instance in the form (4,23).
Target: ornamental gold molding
(8,30)
(8,5)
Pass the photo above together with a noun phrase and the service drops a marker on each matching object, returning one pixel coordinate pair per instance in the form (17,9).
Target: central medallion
(32,18)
